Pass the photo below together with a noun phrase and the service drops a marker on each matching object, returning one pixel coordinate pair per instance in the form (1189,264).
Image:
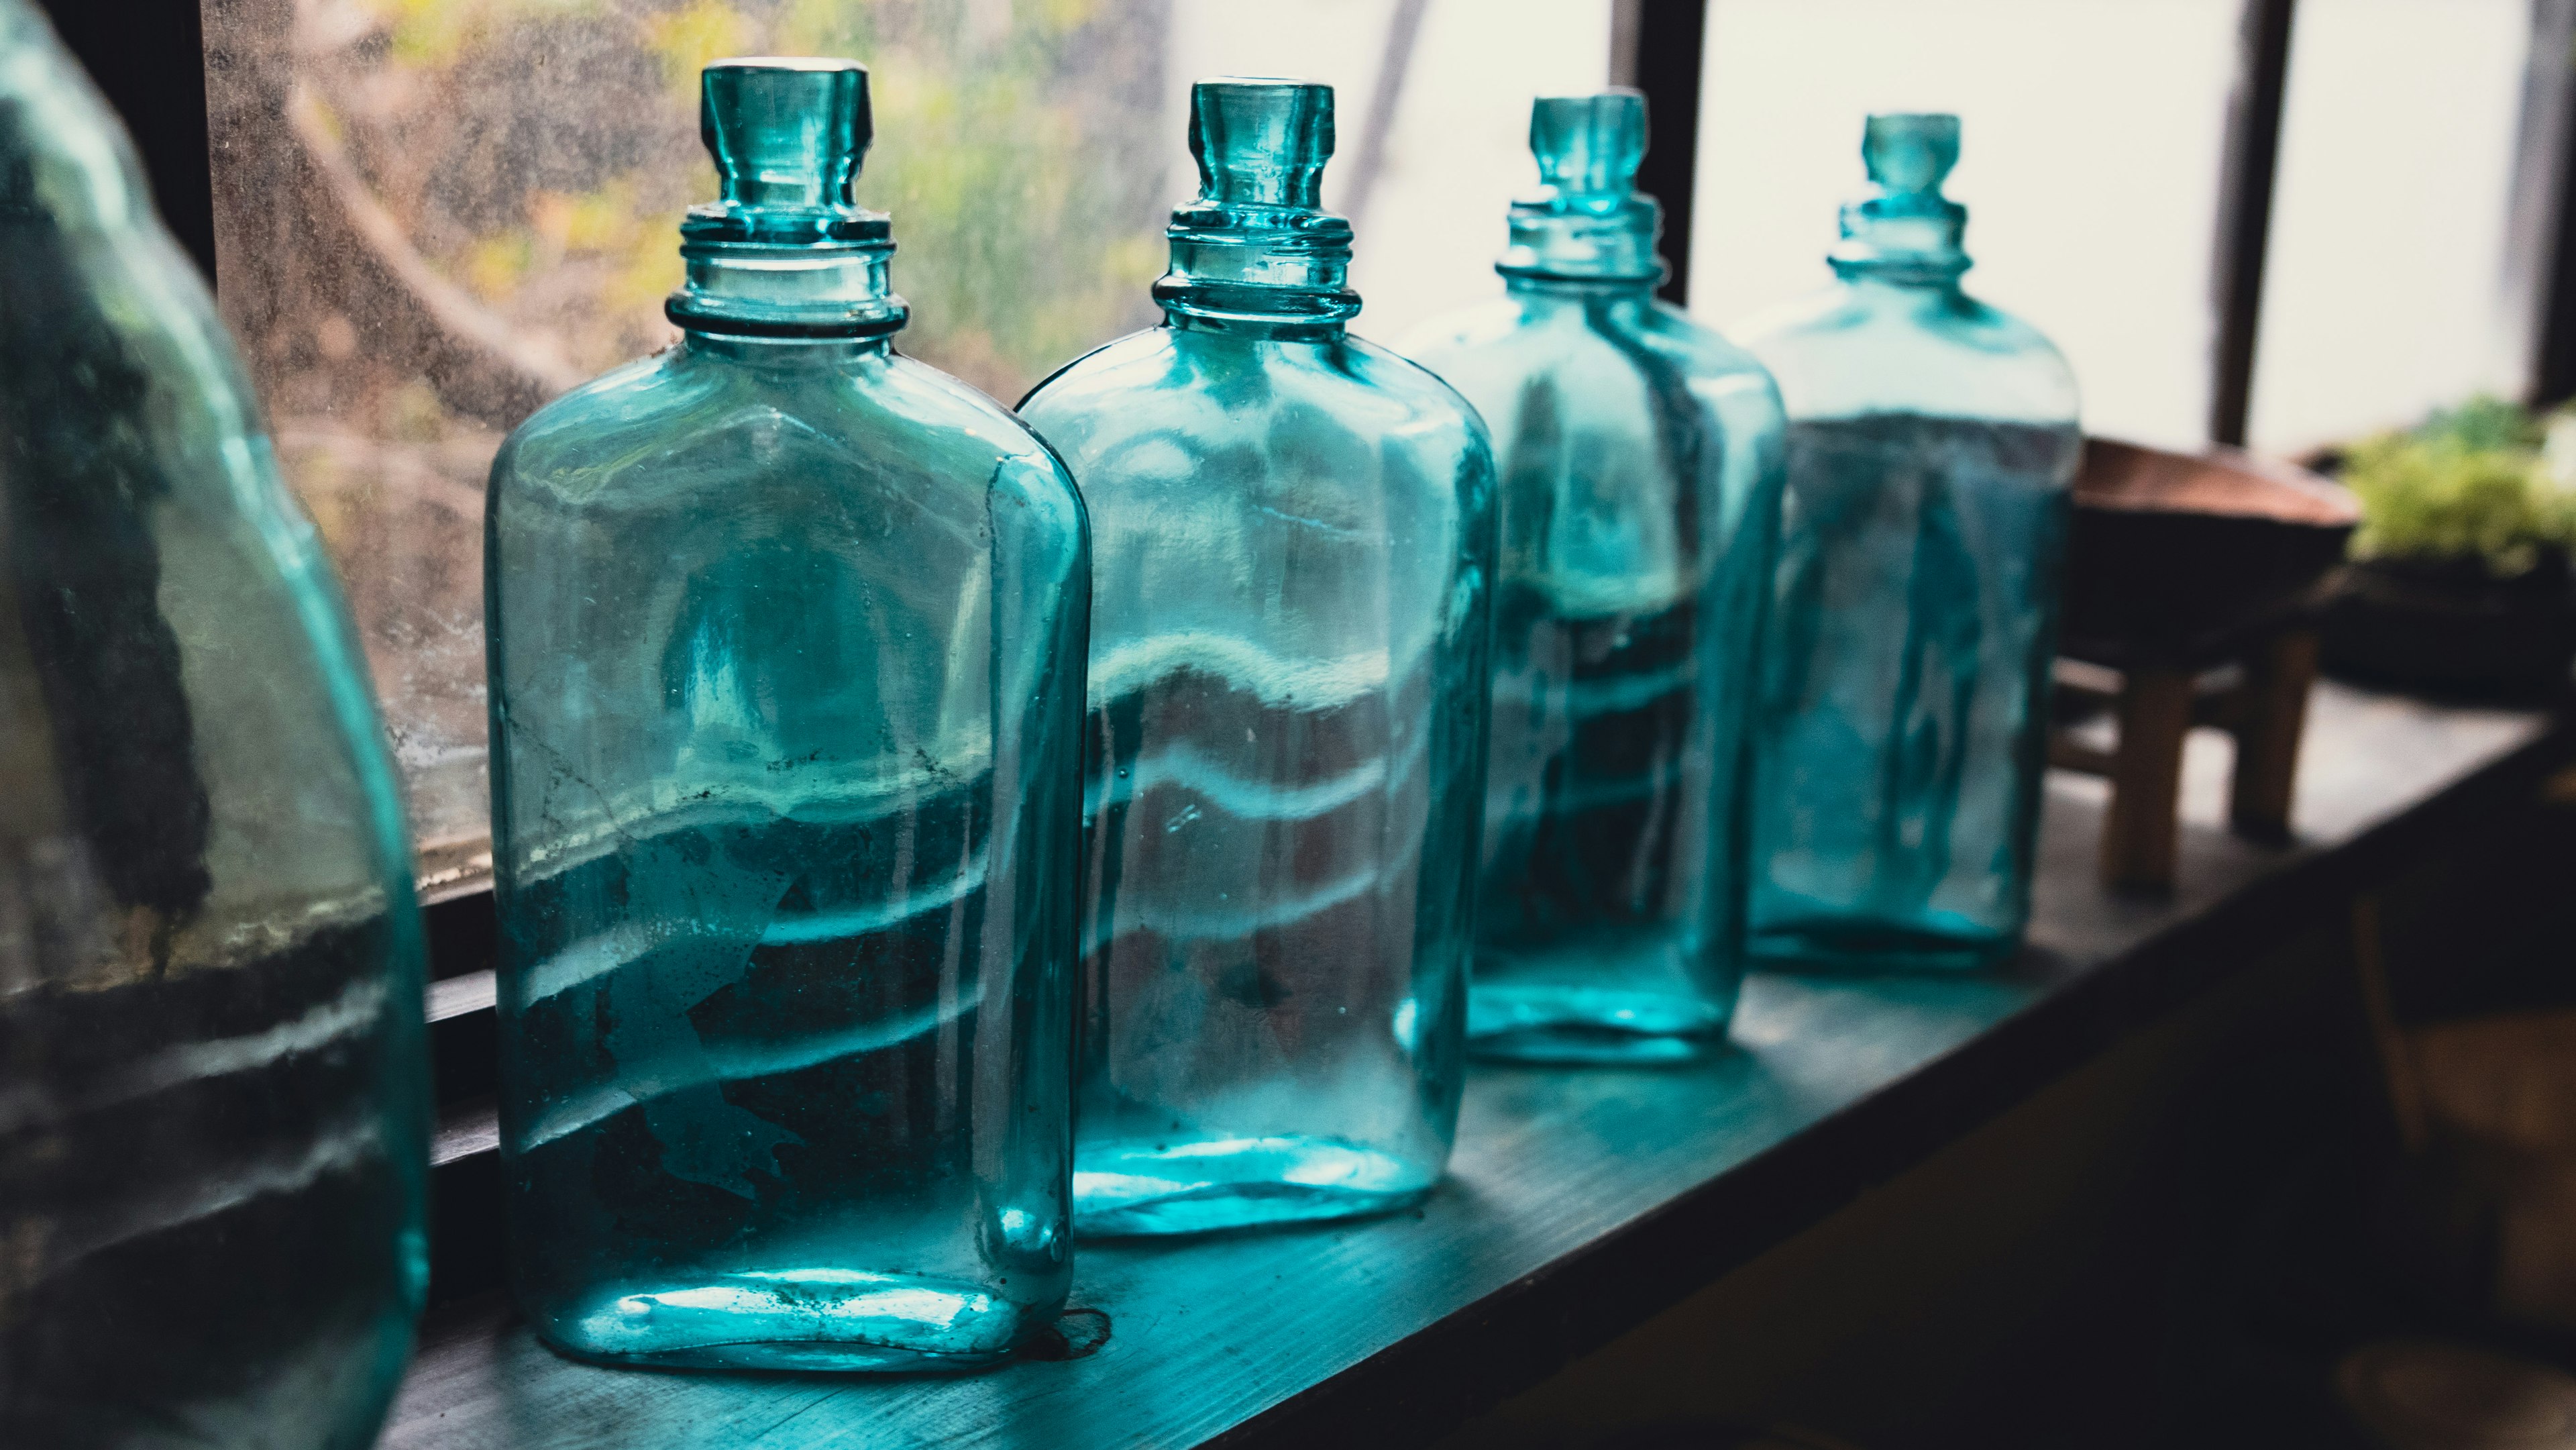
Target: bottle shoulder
(1550,334)
(1200,393)
(1615,367)
(1850,349)
(699,418)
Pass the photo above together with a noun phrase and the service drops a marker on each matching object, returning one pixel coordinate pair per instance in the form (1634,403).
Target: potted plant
(2459,580)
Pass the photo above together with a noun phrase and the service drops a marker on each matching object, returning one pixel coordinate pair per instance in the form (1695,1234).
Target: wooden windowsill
(1582,1201)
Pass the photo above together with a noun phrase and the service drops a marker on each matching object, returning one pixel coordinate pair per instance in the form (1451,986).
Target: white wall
(2090,151)
(2093,132)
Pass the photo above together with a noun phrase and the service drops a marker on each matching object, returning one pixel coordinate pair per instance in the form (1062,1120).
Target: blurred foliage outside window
(433,215)
(2484,481)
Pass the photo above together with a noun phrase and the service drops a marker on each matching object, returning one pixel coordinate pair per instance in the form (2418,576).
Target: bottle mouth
(1586,221)
(1256,248)
(1905,230)
(786,251)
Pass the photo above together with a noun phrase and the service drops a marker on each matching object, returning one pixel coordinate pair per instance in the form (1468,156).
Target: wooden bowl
(2174,557)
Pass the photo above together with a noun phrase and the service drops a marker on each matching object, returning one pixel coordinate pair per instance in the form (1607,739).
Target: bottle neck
(752,350)
(1906,276)
(1904,240)
(748,280)
(1580,291)
(1264,270)
(1605,238)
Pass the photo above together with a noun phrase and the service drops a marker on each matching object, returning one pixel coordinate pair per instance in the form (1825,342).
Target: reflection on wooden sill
(452,868)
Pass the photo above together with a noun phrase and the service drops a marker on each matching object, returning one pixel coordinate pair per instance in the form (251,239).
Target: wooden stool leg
(2275,710)
(2146,778)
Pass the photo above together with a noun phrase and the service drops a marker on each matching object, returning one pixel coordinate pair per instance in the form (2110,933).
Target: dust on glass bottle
(214,1101)
(786,687)
(1293,534)
(1640,462)
(1932,445)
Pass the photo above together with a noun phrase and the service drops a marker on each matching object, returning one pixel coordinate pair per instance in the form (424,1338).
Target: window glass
(432,215)
(2383,289)
(2091,145)
(1430,208)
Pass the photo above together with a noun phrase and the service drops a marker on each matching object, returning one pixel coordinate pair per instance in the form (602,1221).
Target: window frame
(148,58)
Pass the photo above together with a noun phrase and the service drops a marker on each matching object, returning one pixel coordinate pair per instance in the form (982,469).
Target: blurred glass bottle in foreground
(1640,458)
(786,677)
(214,1103)
(1932,443)
(1287,736)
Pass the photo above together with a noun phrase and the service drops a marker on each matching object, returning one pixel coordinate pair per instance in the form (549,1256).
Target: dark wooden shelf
(1580,1201)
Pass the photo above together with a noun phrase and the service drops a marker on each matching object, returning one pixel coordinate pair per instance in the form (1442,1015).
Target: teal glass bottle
(1640,457)
(786,642)
(1294,545)
(1932,445)
(214,1099)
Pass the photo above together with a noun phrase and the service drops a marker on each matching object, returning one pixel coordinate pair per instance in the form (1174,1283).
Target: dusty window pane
(433,215)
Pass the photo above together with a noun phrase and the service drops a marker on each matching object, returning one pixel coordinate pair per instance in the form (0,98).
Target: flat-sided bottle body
(786,661)
(1288,698)
(1640,460)
(213,1093)
(1932,448)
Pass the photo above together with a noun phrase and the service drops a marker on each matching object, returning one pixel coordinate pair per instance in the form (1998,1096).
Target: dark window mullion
(149,59)
(2542,267)
(1656,47)
(2245,179)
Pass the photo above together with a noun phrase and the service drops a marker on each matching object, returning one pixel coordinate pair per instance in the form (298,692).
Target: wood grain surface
(1580,1201)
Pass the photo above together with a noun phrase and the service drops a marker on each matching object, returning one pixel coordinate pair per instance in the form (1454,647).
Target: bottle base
(1131,1188)
(1535,1023)
(1864,945)
(803,1320)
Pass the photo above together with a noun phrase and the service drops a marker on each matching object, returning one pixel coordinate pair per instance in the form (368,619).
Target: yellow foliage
(601,221)
(696,33)
(1063,15)
(823,27)
(652,270)
(436,32)
(495,264)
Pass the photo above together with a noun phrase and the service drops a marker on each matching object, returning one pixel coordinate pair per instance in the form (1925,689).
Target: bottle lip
(788,136)
(784,62)
(1588,146)
(1261,141)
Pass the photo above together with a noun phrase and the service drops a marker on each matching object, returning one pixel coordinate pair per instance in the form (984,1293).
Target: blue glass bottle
(214,1100)
(786,669)
(1294,543)
(1640,457)
(1932,445)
